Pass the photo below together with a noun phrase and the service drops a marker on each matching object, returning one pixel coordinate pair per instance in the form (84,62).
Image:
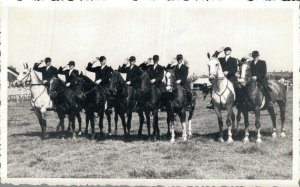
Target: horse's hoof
(79,133)
(109,134)
(172,140)
(221,140)
(274,135)
(190,134)
(230,140)
(246,140)
(282,134)
(258,140)
(184,138)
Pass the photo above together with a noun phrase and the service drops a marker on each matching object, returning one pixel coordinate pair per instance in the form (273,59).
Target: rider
(181,73)
(229,67)
(103,74)
(133,73)
(71,74)
(47,71)
(259,72)
(156,74)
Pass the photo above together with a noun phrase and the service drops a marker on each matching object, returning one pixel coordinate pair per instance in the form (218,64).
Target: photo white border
(151,182)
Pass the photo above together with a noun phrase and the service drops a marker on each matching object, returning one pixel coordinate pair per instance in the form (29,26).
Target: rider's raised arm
(37,68)
(123,68)
(90,68)
(61,71)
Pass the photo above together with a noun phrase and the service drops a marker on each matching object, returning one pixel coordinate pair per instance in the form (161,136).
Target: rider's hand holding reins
(68,84)
(128,82)
(225,73)
(98,81)
(152,81)
(254,78)
(178,81)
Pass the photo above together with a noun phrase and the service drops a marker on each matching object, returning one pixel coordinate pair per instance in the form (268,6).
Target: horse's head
(115,82)
(55,84)
(214,69)
(145,82)
(24,75)
(170,80)
(245,71)
(80,87)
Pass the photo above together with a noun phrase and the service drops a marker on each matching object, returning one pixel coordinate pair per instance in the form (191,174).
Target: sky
(83,33)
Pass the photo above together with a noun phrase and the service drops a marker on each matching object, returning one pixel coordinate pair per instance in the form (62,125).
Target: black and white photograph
(186,93)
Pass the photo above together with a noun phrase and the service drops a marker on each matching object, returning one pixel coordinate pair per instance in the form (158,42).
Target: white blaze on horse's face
(22,75)
(244,72)
(168,82)
(213,68)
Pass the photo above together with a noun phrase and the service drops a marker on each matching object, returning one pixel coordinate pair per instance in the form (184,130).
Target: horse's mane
(87,80)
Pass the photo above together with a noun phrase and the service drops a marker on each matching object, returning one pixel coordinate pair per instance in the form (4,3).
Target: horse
(175,101)
(40,100)
(223,96)
(92,98)
(125,100)
(66,104)
(148,103)
(255,96)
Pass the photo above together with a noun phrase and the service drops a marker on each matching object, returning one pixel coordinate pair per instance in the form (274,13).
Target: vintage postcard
(150,93)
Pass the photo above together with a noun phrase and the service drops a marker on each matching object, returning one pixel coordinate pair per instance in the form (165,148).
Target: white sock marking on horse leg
(184,136)
(274,135)
(173,132)
(246,139)
(190,127)
(258,136)
(230,140)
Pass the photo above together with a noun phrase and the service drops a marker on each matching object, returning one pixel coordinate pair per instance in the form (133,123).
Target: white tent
(200,81)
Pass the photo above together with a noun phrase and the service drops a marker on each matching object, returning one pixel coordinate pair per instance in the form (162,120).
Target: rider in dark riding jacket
(47,71)
(156,74)
(259,74)
(71,75)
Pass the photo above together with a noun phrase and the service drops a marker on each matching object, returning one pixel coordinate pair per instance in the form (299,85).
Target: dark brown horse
(148,103)
(66,103)
(92,99)
(255,96)
(124,100)
(175,101)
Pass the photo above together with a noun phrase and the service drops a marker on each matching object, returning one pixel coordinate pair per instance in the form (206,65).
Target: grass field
(201,157)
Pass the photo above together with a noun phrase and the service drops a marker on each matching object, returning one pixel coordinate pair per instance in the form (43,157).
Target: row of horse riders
(156,72)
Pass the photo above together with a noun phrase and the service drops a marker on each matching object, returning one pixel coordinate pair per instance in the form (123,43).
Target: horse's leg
(79,122)
(233,123)
(238,119)
(129,116)
(273,118)
(147,113)
(257,123)
(87,119)
(40,118)
(142,119)
(101,116)
(73,126)
(246,122)
(122,116)
(156,132)
(107,113)
(229,123)
(220,122)
(61,118)
(171,118)
(191,113)
(282,106)
(92,120)
(116,121)
(182,116)
(169,124)
(44,122)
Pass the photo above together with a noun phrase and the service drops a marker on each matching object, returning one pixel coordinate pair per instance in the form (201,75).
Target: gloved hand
(98,81)
(68,84)
(44,81)
(152,81)
(254,78)
(128,82)
(178,81)
(225,73)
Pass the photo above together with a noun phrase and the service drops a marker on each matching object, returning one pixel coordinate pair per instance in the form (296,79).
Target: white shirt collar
(179,65)
(226,57)
(70,71)
(103,66)
(47,67)
(154,66)
(255,61)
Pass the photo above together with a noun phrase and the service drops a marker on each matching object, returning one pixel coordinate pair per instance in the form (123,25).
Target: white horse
(223,96)
(40,100)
